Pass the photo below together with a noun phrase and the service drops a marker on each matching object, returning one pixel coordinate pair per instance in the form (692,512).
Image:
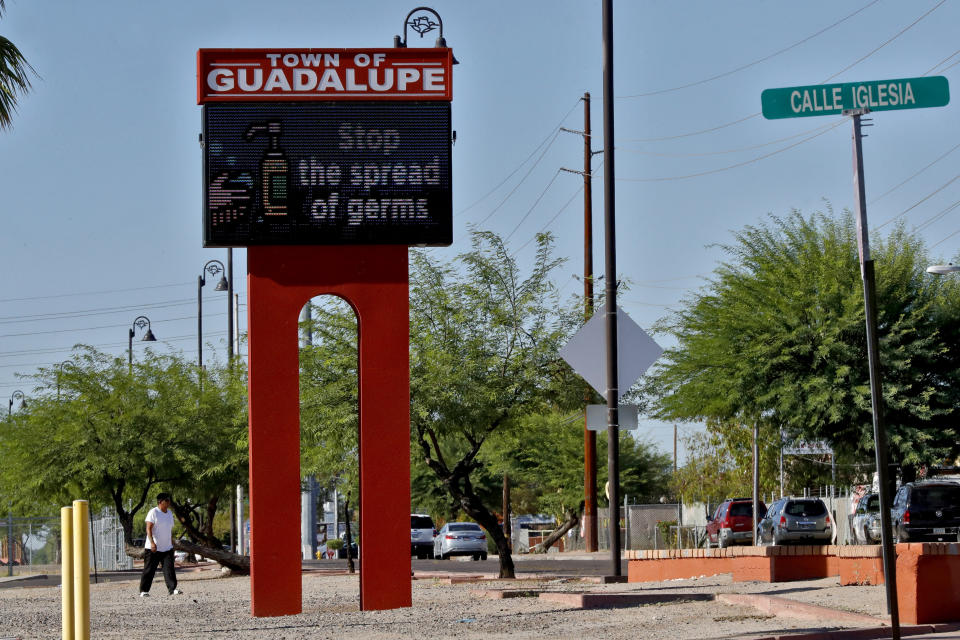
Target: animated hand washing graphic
(232,193)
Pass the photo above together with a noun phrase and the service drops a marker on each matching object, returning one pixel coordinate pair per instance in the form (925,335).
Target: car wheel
(430,555)
(483,556)
(476,557)
(444,556)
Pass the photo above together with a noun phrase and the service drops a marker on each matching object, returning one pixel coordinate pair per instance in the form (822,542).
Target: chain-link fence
(31,545)
(666,526)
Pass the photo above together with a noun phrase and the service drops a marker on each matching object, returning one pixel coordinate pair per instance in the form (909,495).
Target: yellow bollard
(81,570)
(66,571)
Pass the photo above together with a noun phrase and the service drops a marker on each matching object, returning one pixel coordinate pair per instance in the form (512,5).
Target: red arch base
(373,279)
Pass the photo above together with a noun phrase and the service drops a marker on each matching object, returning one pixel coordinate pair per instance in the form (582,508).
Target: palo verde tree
(484,342)
(777,337)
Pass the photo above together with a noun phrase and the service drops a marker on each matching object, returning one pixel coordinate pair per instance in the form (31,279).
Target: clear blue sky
(100,178)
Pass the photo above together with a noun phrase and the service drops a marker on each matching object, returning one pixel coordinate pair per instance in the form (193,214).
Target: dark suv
(732,522)
(926,511)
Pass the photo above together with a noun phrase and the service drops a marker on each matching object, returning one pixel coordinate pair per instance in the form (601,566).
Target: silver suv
(422,531)
(797,520)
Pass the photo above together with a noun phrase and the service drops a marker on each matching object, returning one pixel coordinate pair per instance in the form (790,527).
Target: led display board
(285,173)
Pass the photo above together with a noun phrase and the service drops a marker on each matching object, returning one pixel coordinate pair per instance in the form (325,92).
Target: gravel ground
(218,607)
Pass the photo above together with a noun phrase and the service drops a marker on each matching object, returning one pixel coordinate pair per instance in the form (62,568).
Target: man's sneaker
(176,592)
(144,594)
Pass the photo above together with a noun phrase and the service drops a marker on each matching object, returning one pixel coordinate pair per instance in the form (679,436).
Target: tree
(115,435)
(14,77)
(777,336)
(484,343)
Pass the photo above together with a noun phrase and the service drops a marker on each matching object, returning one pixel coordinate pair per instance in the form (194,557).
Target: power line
(733,166)
(522,180)
(754,115)
(725,151)
(937,216)
(892,189)
(755,62)
(109,326)
(554,132)
(921,201)
(533,206)
(900,33)
(95,293)
(930,70)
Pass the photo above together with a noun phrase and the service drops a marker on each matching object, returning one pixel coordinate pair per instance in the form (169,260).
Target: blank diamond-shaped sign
(586,352)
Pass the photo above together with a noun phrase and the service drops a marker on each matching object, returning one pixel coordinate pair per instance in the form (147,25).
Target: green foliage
(329,420)
(778,336)
(97,429)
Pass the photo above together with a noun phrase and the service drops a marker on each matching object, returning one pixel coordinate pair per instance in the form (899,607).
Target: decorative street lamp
(59,367)
(213,267)
(17,395)
(139,323)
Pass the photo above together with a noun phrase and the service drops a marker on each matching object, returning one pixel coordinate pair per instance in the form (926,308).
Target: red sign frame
(252,75)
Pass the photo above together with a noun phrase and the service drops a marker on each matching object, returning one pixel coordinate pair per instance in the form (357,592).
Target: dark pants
(150,561)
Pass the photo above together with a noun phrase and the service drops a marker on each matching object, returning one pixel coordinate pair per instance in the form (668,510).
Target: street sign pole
(856,99)
(876,389)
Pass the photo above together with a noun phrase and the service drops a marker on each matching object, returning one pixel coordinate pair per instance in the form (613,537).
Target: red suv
(732,523)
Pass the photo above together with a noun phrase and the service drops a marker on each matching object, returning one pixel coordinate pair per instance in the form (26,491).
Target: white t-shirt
(162,529)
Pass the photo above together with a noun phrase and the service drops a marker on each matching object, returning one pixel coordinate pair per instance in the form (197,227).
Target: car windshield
(464,526)
(935,496)
(809,508)
(421,522)
(741,509)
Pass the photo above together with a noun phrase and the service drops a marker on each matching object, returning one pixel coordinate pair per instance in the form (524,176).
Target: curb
(787,608)
(39,576)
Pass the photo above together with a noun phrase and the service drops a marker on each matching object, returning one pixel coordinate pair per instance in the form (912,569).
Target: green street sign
(876,95)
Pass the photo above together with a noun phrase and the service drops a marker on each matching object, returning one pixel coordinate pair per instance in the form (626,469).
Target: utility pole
(589,437)
(674,450)
(610,245)
(873,360)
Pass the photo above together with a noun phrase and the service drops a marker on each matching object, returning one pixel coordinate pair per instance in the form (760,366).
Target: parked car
(865,524)
(422,532)
(796,520)
(926,511)
(460,539)
(732,522)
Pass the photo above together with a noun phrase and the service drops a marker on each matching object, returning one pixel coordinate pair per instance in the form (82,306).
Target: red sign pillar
(374,281)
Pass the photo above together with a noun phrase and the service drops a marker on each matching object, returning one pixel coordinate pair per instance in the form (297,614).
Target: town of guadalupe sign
(326,164)
(334,146)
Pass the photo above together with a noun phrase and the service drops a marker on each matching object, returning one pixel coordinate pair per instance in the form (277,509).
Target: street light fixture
(139,323)
(59,367)
(17,395)
(213,267)
(942,269)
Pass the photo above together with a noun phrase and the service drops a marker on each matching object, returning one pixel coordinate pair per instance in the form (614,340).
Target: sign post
(856,99)
(327,164)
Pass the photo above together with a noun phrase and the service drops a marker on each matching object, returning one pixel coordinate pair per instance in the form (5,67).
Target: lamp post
(17,395)
(139,323)
(213,267)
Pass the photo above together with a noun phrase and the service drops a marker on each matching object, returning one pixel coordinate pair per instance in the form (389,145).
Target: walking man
(158,548)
